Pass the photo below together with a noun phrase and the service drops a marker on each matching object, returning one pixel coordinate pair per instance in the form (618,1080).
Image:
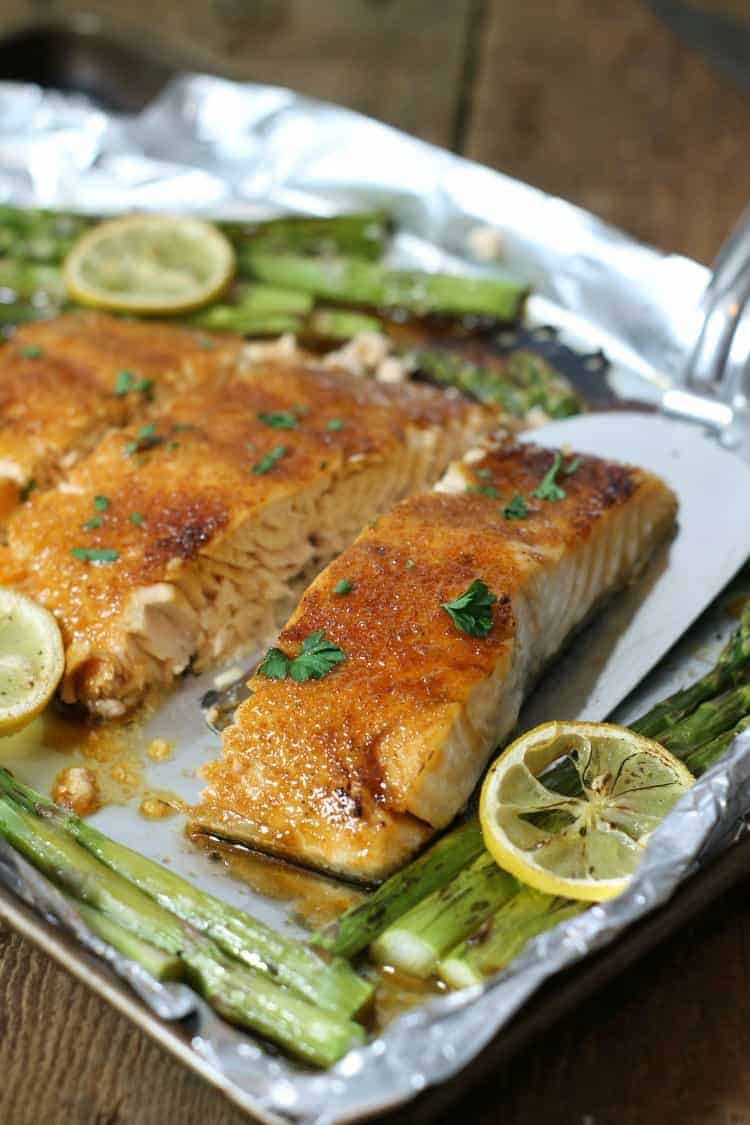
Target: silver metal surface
(211,146)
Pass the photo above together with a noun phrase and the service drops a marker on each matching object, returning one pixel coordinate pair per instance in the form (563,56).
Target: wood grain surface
(599,103)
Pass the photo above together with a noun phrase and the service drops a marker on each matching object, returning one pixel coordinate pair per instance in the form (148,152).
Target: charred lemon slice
(31,659)
(588,844)
(149,264)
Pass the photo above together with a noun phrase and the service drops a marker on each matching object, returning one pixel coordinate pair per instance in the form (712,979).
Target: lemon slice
(585,846)
(149,264)
(31,659)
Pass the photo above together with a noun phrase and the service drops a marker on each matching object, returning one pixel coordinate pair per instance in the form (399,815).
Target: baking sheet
(211,146)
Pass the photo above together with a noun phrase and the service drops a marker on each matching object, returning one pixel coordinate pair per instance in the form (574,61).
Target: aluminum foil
(212,146)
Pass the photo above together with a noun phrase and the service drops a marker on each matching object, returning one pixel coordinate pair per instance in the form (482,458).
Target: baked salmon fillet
(354,771)
(177,543)
(65,382)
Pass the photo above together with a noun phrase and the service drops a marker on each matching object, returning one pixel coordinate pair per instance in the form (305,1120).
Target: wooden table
(599,103)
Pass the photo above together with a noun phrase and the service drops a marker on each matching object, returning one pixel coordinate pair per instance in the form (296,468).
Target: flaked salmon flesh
(185,536)
(353,772)
(64,383)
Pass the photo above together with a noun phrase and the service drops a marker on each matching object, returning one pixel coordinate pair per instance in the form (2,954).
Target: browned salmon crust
(58,384)
(354,771)
(212,514)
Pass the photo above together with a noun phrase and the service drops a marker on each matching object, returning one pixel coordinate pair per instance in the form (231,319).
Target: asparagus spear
(46,236)
(352,281)
(504,935)
(417,941)
(700,759)
(332,984)
(360,925)
(163,966)
(243,995)
(363,235)
(730,669)
(523,383)
(229,318)
(339,324)
(708,721)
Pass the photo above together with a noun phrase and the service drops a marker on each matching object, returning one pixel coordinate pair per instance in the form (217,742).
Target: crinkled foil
(220,148)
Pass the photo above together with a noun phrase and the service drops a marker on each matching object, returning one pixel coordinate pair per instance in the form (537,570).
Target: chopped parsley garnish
(484,490)
(269,460)
(128,381)
(410,563)
(101,503)
(548,489)
(32,351)
(182,427)
(207,344)
(274,665)
(516,508)
(27,490)
(317,657)
(485,474)
(343,586)
(95,554)
(146,438)
(279,419)
(93,523)
(335,424)
(471,612)
(136,518)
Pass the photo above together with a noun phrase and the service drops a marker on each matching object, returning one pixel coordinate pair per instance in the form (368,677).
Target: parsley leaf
(136,518)
(101,503)
(471,612)
(146,438)
(484,490)
(279,419)
(32,351)
(269,460)
(343,586)
(410,564)
(547,489)
(335,424)
(127,381)
(27,490)
(95,522)
(485,474)
(317,657)
(516,508)
(95,554)
(274,665)
(571,467)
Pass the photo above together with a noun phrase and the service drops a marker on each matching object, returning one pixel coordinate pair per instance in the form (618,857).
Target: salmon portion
(65,382)
(353,772)
(176,543)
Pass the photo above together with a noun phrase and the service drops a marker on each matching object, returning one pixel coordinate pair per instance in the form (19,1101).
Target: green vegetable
(93,523)
(279,420)
(268,461)
(548,489)
(101,503)
(343,586)
(127,381)
(353,281)
(275,665)
(95,554)
(136,518)
(330,983)
(317,657)
(471,612)
(435,868)
(516,508)
(416,942)
(31,351)
(146,438)
(335,424)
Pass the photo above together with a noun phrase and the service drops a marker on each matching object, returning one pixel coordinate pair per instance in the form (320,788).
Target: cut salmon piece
(354,771)
(176,543)
(65,382)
